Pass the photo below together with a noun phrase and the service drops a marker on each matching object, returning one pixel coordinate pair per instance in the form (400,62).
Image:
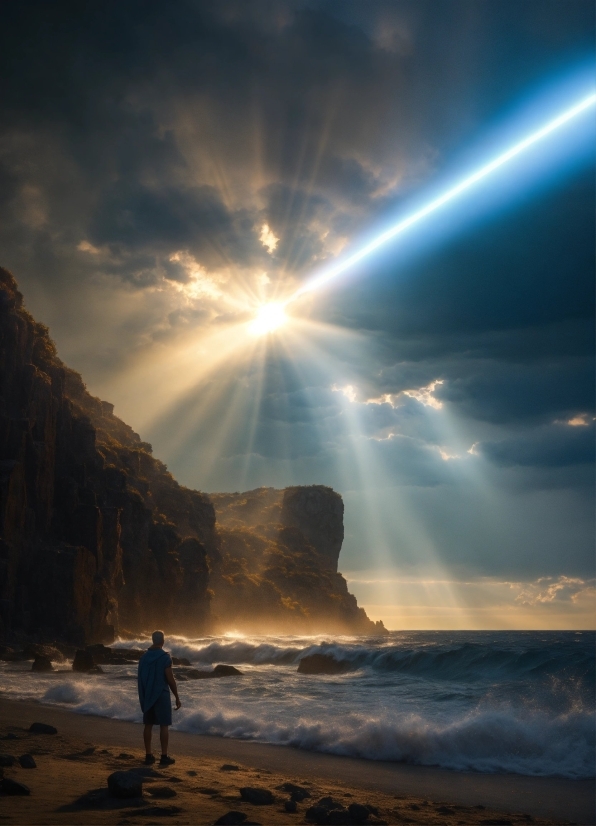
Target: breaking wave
(465,660)
(520,702)
(484,741)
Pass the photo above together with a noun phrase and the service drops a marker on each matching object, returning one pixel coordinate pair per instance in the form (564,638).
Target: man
(155,681)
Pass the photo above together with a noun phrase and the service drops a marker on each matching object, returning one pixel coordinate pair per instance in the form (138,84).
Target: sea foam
(515,702)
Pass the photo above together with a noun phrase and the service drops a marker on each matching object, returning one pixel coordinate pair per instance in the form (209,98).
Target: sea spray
(520,702)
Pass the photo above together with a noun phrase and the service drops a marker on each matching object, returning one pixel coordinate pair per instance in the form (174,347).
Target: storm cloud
(161,165)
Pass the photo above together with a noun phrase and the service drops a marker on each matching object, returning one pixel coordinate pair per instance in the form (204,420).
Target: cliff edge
(97,538)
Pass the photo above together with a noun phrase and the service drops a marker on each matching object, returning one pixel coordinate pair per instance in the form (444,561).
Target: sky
(168,168)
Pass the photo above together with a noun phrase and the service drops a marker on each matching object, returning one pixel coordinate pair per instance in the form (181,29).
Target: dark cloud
(142,143)
(166,219)
(554,446)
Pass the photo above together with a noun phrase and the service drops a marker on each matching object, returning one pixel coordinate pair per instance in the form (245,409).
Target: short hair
(158,638)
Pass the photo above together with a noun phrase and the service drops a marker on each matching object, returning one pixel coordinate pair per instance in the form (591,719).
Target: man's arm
(172,683)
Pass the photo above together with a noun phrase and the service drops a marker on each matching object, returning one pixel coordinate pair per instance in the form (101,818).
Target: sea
(508,702)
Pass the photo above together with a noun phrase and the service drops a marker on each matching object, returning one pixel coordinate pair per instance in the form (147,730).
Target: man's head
(158,638)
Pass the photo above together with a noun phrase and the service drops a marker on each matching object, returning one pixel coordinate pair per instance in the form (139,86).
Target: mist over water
(520,702)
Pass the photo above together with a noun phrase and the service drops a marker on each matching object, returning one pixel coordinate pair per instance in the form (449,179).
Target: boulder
(291,806)
(41,663)
(7,760)
(218,671)
(226,671)
(229,767)
(125,785)
(358,812)
(316,814)
(33,650)
(42,728)
(104,655)
(180,661)
(256,796)
(322,664)
(26,761)
(83,661)
(13,787)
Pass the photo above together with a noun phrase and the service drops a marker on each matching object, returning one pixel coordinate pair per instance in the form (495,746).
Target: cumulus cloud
(547,590)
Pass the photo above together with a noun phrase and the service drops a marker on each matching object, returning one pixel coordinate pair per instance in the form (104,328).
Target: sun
(269,317)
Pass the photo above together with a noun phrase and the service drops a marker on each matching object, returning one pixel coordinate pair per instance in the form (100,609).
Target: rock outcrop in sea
(97,538)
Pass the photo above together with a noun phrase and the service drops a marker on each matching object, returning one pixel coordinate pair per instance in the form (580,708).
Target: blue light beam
(341,266)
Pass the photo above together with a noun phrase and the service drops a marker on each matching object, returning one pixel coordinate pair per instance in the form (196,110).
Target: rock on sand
(124,785)
(42,728)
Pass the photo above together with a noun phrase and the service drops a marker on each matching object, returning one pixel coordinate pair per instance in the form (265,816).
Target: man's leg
(147,732)
(164,737)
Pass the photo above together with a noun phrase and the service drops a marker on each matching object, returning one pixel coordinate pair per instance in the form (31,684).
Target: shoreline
(557,799)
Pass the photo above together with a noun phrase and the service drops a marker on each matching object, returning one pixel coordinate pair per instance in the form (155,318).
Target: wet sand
(201,791)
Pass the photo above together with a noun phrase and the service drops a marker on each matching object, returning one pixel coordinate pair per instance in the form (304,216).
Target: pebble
(27,762)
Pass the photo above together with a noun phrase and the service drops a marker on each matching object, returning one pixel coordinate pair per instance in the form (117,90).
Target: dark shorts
(160,714)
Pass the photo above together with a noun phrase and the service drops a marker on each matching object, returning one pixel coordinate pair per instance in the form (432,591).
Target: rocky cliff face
(96,537)
(95,533)
(317,512)
(278,566)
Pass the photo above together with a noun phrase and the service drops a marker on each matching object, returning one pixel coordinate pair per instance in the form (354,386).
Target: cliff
(97,538)
(278,563)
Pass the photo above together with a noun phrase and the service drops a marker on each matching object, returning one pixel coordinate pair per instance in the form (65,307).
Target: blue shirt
(152,678)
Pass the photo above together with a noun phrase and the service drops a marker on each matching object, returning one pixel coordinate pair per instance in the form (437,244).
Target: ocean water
(517,702)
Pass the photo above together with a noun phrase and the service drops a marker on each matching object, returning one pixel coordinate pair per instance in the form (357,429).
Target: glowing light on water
(341,266)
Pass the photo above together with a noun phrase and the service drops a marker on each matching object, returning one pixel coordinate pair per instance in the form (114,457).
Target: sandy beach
(68,786)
